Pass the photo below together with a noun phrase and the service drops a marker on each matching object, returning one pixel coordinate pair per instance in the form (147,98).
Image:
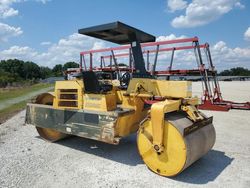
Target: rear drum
(47,134)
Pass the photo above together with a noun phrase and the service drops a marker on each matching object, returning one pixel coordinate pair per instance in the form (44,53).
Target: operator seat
(92,85)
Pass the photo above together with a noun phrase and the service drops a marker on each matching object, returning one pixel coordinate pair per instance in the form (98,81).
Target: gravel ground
(28,161)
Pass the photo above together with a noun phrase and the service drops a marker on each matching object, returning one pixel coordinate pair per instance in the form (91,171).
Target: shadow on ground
(206,169)
(126,152)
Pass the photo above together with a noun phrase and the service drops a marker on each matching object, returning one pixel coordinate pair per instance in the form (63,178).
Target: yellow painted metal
(115,83)
(46,133)
(129,123)
(163,88)
(161,141)
(175,89)
(50,134)
(194,101)
(118,93)
(171,160)
(45,98)
(71,88)
(133,98)
(100,102)
(192,112)
(141,86)
(179,151)
(158,111)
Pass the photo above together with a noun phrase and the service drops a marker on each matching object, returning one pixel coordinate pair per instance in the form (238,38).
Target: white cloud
(202,12)
(223,56)
(6,10)
(17,52)
(226,57)
(69,48)
(43,1)
(7,32)
(66,49)
(239,5)
(45,43)
(165,57)
(247,34)
(169,37)
(9,12)
(174,5)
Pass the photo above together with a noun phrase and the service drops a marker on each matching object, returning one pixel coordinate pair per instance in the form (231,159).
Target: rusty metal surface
(74,122)
(197,125)
(199,136)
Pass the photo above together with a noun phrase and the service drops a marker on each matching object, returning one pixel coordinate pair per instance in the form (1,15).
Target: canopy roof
(117,32)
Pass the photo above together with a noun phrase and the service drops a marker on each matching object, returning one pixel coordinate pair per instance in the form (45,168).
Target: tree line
(14,70)
(238,71)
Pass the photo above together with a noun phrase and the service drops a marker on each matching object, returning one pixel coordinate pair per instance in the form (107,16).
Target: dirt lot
(28,161)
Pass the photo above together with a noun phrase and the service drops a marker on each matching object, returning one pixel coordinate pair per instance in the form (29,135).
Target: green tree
(31,71)
(5,78)
(58,70)
(14,70)
(45,72)
(225,73)
(13,66)
(238,71)
(70,65)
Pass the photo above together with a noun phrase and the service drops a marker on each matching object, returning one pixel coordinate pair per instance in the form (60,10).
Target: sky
(45,31)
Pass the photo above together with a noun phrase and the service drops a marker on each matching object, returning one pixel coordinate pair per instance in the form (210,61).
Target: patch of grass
(6,94)
(11,111)
(11,93)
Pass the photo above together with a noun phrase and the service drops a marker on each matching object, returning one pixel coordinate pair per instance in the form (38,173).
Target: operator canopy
(121,33)
(117,32)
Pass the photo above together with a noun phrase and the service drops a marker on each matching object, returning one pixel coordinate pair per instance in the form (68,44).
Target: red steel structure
(212,97)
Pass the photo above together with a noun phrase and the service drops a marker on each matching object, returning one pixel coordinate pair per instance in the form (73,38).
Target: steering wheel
(124,80)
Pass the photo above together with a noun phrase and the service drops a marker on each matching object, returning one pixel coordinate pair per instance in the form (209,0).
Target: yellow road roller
(171,133)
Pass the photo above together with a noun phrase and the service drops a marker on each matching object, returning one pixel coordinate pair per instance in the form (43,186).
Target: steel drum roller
(179,151)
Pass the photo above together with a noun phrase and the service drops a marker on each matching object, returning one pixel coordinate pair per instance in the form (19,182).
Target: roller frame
(157,116)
